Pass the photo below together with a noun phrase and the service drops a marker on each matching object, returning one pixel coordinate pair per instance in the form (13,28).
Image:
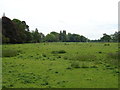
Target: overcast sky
(90,18)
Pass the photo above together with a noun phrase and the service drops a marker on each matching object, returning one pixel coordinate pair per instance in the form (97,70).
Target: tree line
(17,31)
(109,38)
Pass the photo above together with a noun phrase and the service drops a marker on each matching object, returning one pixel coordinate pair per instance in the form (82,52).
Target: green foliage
(56,35)
(17,31)
(116,37)
(5,39)
(20,30)
(36,36)
(29,37)
(8,30)
(50,38)
(76,38)
(62,36)
(106,38)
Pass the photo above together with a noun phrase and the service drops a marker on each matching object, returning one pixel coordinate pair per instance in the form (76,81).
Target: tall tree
(62,36)
(106,38)
(36,36)
(9,31)
(56,35)
(20,26)
(116,37)
(50,38)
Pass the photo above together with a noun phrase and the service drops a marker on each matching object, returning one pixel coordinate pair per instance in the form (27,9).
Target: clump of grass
(85,65)
(75,64)
(106,44)
(59,57)
(68,68)
(19,51)
(66,43)
(9,53)
(100,52)
(111,68)
(62,51)
(82,57)
(58,52)
(65,58)
(107,65)
(93,66)
(44,55)
(115,55)
(112,58)
(116,71)
(88,79)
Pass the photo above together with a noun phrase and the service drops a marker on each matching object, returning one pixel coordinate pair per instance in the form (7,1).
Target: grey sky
(90,18)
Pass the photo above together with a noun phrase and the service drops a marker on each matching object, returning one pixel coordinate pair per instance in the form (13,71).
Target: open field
(60,65)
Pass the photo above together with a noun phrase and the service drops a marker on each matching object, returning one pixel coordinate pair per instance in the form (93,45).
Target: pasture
(60,65)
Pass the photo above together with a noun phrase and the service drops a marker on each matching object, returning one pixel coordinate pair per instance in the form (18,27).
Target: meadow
(60,65)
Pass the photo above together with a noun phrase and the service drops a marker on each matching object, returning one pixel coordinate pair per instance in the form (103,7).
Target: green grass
(9,53)
(61,65)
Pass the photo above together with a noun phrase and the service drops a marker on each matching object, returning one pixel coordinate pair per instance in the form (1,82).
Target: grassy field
(60,65)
